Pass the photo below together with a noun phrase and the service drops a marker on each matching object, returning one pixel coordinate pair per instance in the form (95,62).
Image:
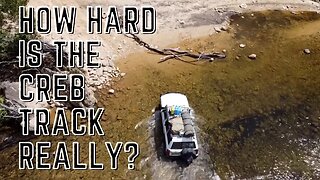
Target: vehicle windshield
(182,145)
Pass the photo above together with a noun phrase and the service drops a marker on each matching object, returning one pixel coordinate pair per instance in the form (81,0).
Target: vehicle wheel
(189,160)
(194,156)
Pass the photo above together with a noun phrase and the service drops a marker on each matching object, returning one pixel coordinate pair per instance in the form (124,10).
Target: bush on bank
(9,38)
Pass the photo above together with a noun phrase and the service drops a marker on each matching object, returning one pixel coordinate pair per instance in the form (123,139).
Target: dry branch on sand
(176,53)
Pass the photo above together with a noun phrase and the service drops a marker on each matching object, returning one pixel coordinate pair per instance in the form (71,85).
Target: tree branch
(176,53)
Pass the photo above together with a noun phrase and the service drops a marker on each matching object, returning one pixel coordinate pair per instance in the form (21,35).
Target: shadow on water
(281,131)
(255,112)
(158,135)
(247,126)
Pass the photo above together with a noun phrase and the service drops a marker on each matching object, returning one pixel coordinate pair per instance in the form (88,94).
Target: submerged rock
(122,74)
(111,91)
(307,51)
(252,56)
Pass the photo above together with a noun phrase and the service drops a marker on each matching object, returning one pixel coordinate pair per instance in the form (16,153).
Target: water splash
(164,168)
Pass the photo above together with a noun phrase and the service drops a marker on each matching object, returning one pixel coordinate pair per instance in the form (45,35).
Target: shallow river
(260,117)
(256,118)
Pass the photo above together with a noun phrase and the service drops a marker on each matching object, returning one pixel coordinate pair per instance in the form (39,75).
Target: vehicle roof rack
(182,125)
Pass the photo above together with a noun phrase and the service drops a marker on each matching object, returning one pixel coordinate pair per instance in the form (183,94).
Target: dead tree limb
(172,56)
(176,53)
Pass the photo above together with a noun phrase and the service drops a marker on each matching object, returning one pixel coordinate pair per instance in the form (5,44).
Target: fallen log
(176,53)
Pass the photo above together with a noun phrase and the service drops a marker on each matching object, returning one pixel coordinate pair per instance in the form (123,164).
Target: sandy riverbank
(176,21)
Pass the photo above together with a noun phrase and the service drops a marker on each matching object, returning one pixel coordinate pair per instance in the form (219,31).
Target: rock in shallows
(242,45)
(217,29)
(224,28)
(243,6)
(122,74)
(307,51)
(111,91)
(252,56)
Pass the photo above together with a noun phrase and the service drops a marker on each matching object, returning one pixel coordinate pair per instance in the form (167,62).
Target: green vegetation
(9,12)
(9,37)
(10,9)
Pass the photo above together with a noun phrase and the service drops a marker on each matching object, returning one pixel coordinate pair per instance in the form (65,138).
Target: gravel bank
(176,20)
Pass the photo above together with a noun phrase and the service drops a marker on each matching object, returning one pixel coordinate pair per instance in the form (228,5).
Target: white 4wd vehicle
(178,128)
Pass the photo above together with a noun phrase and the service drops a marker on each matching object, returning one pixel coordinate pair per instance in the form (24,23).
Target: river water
(260,117)
(256,119)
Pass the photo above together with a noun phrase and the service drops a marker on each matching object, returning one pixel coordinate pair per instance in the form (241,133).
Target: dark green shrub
(9,12)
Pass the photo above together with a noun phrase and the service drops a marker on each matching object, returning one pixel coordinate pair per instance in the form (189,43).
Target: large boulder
(11,91)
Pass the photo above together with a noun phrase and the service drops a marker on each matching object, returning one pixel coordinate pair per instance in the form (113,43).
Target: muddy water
(256,118)
(260,117)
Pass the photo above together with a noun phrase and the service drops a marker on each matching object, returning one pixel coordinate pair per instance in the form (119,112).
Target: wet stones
(217,29)
(243,6)
(242,45)
(99,72)
(111,91)
(224,28)
(122,74)
(99,77)
(307,51)
(252,56)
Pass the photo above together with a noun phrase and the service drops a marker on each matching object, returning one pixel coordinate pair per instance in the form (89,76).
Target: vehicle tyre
(189,160)
(194,156)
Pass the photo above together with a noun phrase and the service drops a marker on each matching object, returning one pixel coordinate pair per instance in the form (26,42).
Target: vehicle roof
(174,99)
